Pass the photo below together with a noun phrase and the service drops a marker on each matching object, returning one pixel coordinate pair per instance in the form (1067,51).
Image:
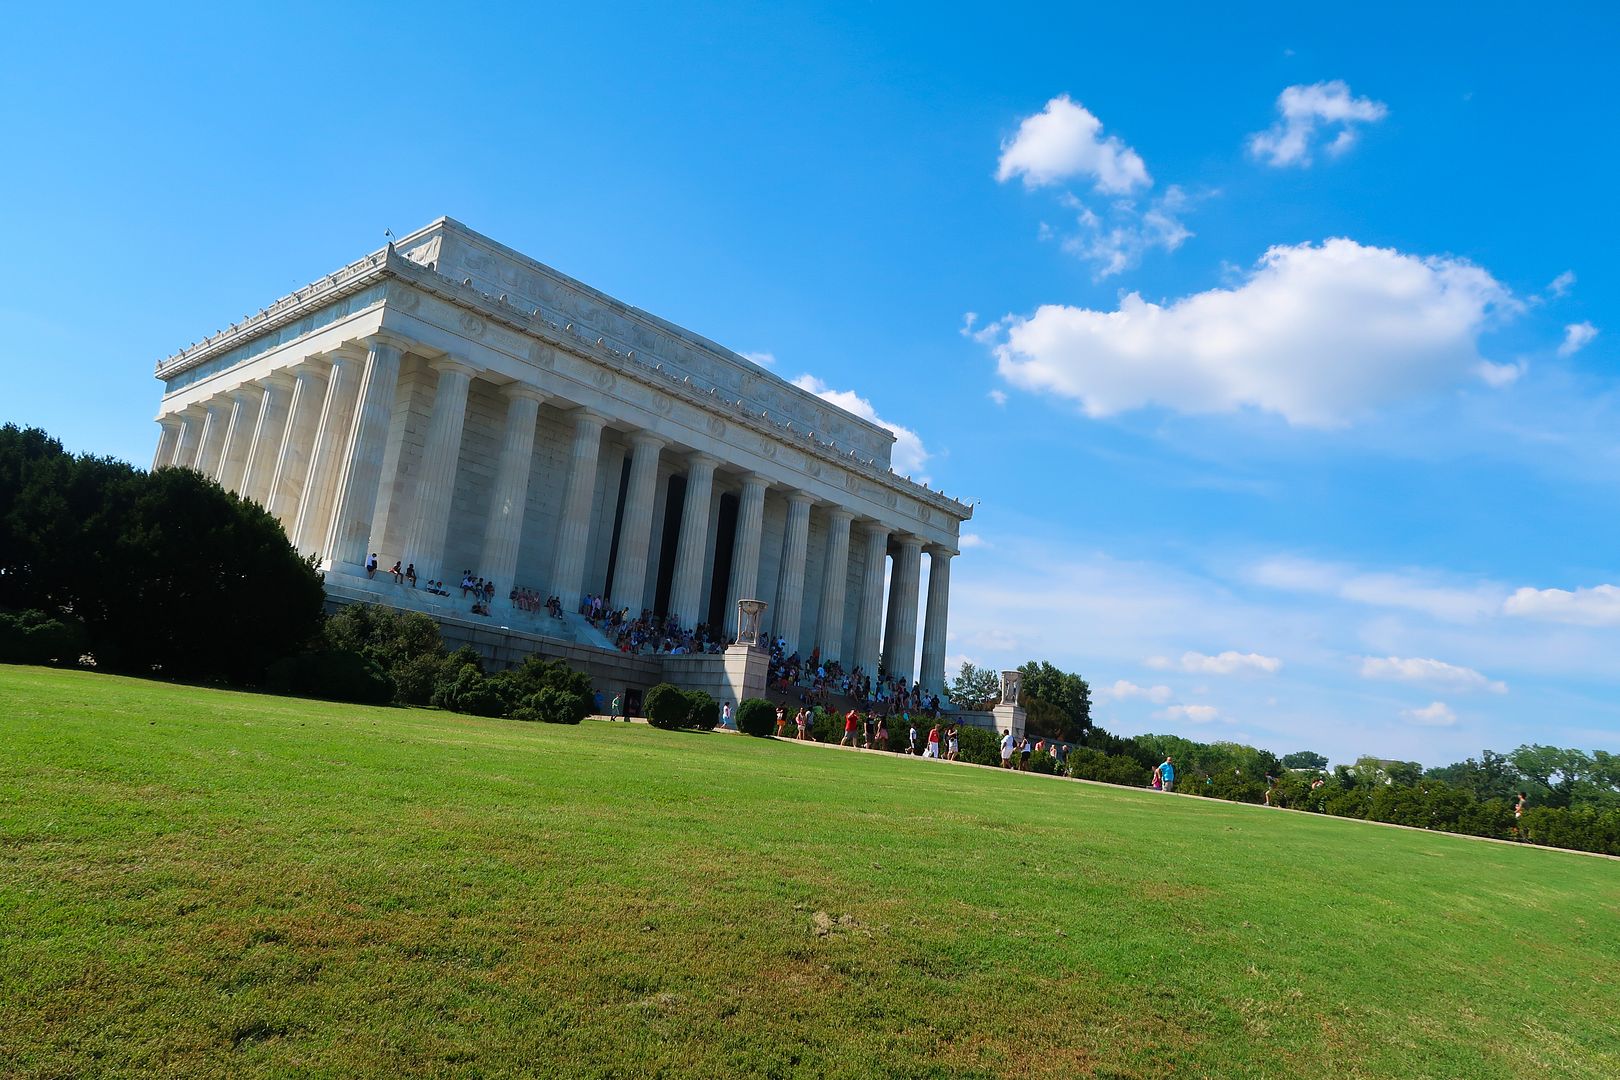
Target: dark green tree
(1304,759)
(1057,702)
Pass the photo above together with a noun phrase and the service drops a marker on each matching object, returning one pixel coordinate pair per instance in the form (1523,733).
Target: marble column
(325,452)
(869,630)
(932,676)
(635,530)
(834,579)
(245,403)
(789,610)
(685,599)
(900,639)
(886,661)
(191,425)
(744,583)
(269,429)
(292,456)
(503,530)
(216,417)
(348,539)
(579,498)
(429,521)
(168,441)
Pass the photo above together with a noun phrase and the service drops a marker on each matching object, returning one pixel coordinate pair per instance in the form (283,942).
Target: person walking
(1167,775)
(953,749)
(781,721)
(851,718)
(911,740)
(933,743)
(1518,815)
(1023,755)
(802,719)
(725,715)
(615,707)
(1008,745)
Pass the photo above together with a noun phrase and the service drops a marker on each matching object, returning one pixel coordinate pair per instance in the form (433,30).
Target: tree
(1305,759)
(1056,702)
(168,572)
(1556,773)
(1493,776)
(975,688)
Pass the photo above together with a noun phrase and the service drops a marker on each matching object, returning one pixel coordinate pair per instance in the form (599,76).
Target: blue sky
(1270,395)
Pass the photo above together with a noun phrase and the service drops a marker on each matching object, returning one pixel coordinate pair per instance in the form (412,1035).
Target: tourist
(1023,755)
(1167,775)
(1158,781)
(953,751)
(882,734)
(725,715)
(399,575)
(371,566)
(911,740)
(781,721)
(614,715)
(933,743)
(1518,815)
(410,574)
(802,719)
(850,719)
(1007,745)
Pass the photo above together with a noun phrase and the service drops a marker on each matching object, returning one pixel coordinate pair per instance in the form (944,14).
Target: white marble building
(452,404)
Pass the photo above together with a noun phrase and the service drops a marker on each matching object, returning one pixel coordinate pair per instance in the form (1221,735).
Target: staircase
(572,627)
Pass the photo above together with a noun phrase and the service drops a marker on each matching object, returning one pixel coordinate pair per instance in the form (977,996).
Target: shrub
(570,690)
(978,745)
(757,717)
(550,705)
(333,674)
(666,707)
(1088,764)
(1043,762)
(468,690)
(702,711)
(33,637)
(406,644)
(827,726)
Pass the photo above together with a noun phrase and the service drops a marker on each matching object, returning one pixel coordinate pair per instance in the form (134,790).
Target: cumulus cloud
(909,455)
(1226,663)
(1576,338)
(1303,112)
(1123,690)
(1193,714)
(1064,141)
(1317,333)
(1408,590)
(1432,672)
(1435,714)
(763,359)
(1117,240)
(972,540)
(1561,284)
(999,397)
(1596,606)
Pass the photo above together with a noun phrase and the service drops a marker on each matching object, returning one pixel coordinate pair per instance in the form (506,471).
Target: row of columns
(309,442)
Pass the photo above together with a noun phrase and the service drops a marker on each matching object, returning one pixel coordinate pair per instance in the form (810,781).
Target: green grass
(202,882)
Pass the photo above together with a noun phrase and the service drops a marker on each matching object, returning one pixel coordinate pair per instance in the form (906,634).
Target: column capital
(522,391)
(754,479)
(388,340)
(283,377)
(698,458)
(840,514)
(245,391)
(451,364)
(799,497)
(168,420)
(909,542)
(940,551)
(584,415)
(874,528)
(350,352)
(643,439)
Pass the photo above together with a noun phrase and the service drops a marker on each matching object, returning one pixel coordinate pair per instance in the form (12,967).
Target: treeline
(1573,797)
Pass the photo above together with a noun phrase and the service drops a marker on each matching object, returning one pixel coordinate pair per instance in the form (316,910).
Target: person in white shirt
(1007,746)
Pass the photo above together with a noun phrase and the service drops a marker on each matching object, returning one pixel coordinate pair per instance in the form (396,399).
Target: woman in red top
(850,719)
(933,742)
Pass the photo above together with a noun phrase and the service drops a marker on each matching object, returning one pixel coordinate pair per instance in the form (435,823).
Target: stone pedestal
(1009,716)
(748,668)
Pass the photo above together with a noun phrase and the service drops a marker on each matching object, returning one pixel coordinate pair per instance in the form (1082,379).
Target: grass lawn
(201,882)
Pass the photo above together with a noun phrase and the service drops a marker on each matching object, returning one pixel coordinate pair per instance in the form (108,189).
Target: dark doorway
(618,523)
(725,539)
(674,508)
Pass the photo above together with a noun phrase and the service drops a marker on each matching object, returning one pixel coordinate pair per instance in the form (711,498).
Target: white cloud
(1497,376)
(1561,284)
(1193,714)
(1576,338)
(1596,606)
(1226,663)
(1435,714)
(1301,110)
(1317,333)
(1433,672)
(1118,242)
(909,455)
(1064,141)
(999,397)
(972,540)
(1124,691)
(763,359)
(1407,590)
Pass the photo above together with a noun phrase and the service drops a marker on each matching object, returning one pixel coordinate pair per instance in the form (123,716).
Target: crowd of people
(817,682)
(662,635)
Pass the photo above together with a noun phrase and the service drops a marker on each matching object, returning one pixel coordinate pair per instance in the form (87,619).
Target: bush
(1088,764)
(333,674)
(33,637)
(468,690)
(550,705)
(666,707)
(978,745)
(1043,762)
(756,717)
(406,644)
(827,726)
(702,711)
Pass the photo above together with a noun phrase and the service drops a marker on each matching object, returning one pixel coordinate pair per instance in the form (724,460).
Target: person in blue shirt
(1167,775)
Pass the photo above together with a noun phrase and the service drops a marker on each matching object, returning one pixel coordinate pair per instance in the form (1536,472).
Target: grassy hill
(200,882)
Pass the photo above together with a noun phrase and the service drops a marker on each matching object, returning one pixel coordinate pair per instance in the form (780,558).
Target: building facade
(451,404)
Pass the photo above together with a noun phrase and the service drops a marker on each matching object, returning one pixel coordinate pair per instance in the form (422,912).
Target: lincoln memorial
(451,404)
